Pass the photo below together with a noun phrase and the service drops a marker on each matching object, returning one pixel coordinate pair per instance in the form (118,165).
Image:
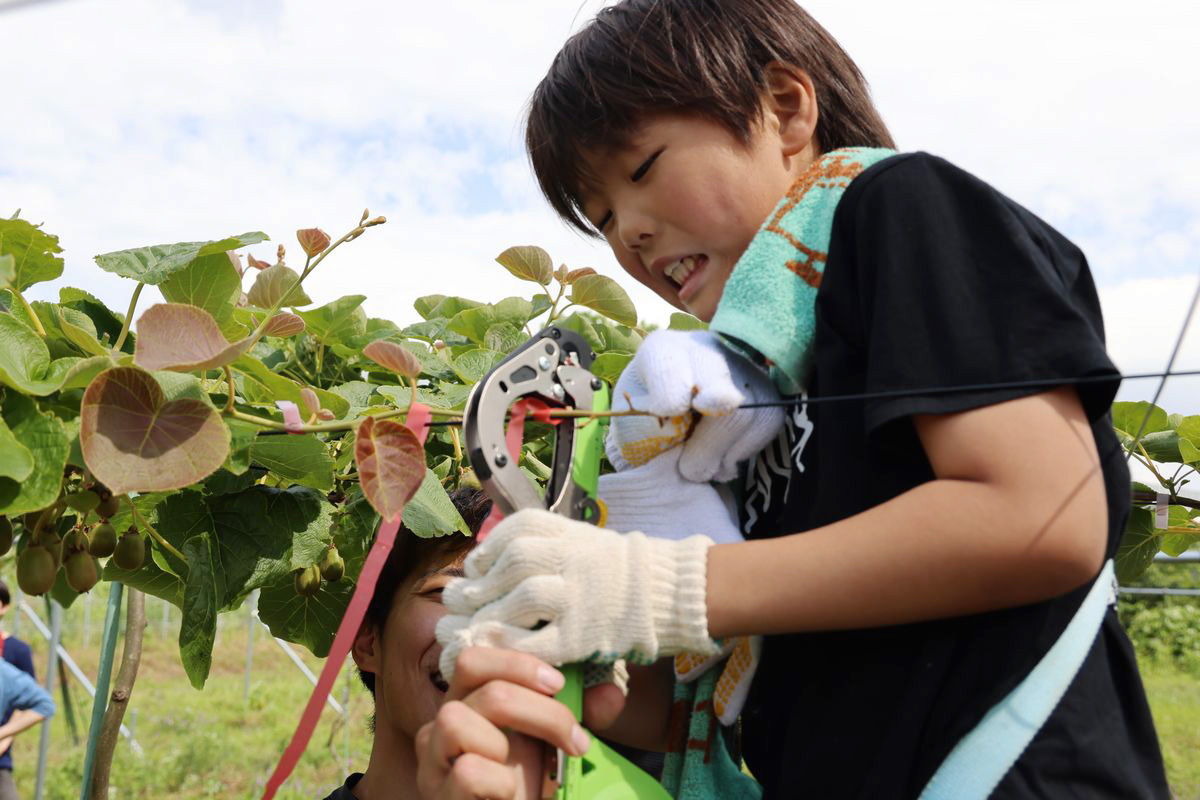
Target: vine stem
(562,288)
(146,526)
(229,380)
(327,427)
(137,292)
(310,265)
(37,323)
(110,728)
(1149,462)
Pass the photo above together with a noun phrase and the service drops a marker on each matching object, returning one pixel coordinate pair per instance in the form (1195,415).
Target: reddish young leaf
(576,274)
(284,325)
(254,262)
(183,338)
(394,357)
(313,241)
(311,403)
(133,440)
(391,465)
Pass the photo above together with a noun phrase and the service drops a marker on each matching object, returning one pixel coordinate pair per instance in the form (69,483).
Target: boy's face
(409,689)
(680,205)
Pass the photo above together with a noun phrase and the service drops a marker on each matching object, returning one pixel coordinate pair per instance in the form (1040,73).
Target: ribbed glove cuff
(677,594)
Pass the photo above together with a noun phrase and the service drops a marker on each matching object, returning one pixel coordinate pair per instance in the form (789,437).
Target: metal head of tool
(553,367)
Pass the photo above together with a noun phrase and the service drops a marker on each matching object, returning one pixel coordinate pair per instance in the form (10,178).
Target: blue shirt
(19,690)
(17,653)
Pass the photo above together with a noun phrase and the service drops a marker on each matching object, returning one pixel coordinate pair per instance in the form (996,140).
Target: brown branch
(1140,496)
(110,728)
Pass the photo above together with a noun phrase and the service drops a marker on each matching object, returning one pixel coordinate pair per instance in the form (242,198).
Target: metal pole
(251,606)
(87,620)
(16,623)
(51,672)
(108,646)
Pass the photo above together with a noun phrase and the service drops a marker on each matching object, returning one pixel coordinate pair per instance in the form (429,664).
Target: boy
(915,558)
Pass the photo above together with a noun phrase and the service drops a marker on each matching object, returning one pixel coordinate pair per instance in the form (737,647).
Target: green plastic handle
(601,773)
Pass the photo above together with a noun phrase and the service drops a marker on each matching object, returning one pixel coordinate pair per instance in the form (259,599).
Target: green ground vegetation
(216,743)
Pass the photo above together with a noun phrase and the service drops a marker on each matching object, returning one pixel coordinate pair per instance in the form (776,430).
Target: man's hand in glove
(566,591)
(675,373)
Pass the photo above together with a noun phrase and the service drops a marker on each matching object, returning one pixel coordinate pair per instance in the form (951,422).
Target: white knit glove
(675,373)
(566,591)
(656,500)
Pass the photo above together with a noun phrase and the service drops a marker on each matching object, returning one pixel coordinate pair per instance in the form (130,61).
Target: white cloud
(147,121)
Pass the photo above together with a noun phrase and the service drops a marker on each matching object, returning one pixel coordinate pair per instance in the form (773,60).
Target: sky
(136,122)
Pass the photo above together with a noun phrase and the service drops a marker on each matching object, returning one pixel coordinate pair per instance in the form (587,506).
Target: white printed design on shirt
(778,460)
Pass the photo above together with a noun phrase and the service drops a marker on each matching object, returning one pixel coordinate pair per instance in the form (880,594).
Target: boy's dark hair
(413,555)
(5,597)
(706,57)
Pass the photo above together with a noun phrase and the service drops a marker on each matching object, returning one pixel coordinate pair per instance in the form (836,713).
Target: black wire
(1041,383)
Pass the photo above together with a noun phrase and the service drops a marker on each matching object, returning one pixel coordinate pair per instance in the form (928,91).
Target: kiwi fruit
(53,544)
(36,570)
(82,571)
(308,581)
(130,551)
(109,504)
(104,540)
(332,566)
(6,535)
(84,501)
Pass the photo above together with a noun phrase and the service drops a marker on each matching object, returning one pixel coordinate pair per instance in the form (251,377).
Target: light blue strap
(978,762)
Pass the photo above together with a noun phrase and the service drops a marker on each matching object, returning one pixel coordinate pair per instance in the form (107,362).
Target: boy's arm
(1017,514)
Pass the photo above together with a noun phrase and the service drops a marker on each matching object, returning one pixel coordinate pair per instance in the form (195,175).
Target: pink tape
(512,439)
(418,422)
(291,416)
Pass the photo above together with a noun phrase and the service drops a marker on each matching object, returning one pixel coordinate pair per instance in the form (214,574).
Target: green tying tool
(554,368)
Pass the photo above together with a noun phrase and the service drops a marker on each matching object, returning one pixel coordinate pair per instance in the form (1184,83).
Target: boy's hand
(656,500)
(676,373)
(566,591)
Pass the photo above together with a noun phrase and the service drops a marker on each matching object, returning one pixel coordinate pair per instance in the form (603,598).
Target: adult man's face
(409,689)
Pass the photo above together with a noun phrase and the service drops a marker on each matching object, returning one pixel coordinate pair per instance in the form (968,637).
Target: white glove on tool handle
(656,500)
(675,373)
(566,591)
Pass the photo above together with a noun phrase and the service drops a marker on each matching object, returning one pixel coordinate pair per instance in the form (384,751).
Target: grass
(214,743)
(218,744)
(1175,702)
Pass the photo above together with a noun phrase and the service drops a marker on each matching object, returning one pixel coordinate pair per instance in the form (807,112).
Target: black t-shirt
(346,790)
(934,279)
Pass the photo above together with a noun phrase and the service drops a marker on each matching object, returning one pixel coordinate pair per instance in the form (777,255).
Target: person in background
(23,704)
(17,653)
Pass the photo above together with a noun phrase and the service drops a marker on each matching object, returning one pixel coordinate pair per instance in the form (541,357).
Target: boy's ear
(367,643)
(790,104)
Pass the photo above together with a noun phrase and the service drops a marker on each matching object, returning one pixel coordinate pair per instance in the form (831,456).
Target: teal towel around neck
(769,301)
